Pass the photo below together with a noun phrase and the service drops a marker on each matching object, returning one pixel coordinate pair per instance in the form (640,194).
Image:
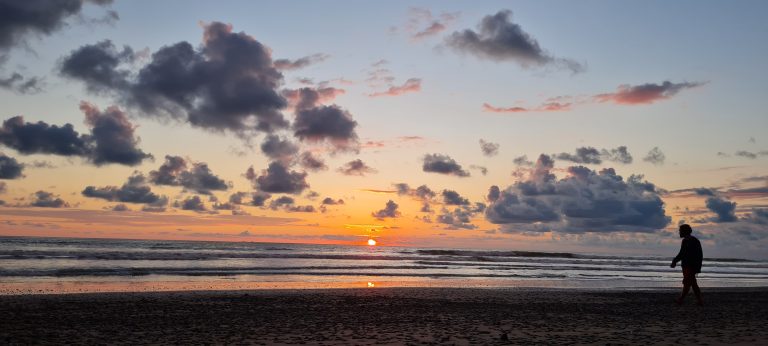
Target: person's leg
(686,285)
(696,290)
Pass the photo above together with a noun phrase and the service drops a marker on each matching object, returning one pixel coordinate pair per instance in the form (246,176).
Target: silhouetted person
(691,256)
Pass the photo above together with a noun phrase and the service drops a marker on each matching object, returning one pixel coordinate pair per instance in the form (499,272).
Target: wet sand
(386,316)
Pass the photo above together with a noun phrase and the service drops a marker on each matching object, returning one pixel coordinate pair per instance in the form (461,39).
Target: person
(691,256)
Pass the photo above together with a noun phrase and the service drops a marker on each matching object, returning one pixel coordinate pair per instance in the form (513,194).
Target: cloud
(483,170)
(331,201)
(327,123)
(501,40)
(489,148)
(750,155)
(278,148)
(193,203)
(305,98)
(724,209)
(228,83)
(10,168)
(277,179)
(655,156)
(645,93)
(583,201)
(422,193)
(493,193)
(286,64)
(286,203)
(703,191)
(356,167)
(257,198)
(120,207)
(44,199)
(545,107)
(522,161)
(451,197)
(20,84)
(311,162)
(113,136)
(199,178)
(410,86)
(443,164)
(422,24)
(135,190)
(590,155)
(390,211)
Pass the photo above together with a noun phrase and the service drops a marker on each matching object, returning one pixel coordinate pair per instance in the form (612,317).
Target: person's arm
(679,255)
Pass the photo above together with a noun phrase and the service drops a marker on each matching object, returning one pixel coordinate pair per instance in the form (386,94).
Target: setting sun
(371,242)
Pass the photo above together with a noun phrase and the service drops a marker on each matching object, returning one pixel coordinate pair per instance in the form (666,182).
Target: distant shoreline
(388,316)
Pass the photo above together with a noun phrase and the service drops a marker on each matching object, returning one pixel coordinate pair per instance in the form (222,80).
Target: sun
(371,242)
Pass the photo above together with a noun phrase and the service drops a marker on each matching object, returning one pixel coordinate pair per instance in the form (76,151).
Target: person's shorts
(689,275)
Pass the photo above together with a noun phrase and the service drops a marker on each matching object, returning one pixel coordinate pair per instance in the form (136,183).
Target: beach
(368,316)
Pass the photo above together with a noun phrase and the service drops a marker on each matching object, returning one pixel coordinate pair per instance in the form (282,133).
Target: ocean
(68,264)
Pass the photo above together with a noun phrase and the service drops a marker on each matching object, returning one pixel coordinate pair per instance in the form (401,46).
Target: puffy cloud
(584,201)
(135,190)
(287,64)
(229,83)
(311,162)
(522,161)
(193,203)
(443,164)
(451,197)
(500,39)
(493,193)
(645,93)
(305,98)
(389,211)
(278,148)
(331,201)
(356,167)
(460,217)
(9,168)
(113,136)
(327,123)
(489,148)
(655,156)
(199,178)
(20,84)
(121,207)
(724,209)
(618,154)
(422,193)
(410,86)
(257,198)
(277,179)
(44,199)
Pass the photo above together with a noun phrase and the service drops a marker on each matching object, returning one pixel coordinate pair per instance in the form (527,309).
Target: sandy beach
(386,316)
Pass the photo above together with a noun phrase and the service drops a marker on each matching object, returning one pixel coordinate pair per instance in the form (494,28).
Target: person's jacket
(690,253)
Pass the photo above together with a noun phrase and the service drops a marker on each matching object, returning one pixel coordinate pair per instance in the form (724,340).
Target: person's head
(685,230)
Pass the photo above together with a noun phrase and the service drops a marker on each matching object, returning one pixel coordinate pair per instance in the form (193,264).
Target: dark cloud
(461,216)
(286,64)
(135,190)
(501,40)
(758,216)
(390,211)
(585,155)
(306,98)
(311,162)
(331,201)
(286,203)
(746,154)
(443,164)
(277,179)
(278,148)
(489,148)
(327,123)
(655,156)
(493,193)
(41,138)
(703,191)
(199,178)
(10,168)
(113,136)
(451,197)
(121,207)
(724,209)
(229,83)
(20,84)
(422,193)
(584,201)
(356,167)
(645,93)
(193,203)
(46,199)
(618,154)
(522,161)
(483,170)
(256,198)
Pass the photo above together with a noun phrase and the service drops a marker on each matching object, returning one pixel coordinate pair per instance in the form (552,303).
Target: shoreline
(403,315)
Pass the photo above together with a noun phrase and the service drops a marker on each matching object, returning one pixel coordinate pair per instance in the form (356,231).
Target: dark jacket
(690,253)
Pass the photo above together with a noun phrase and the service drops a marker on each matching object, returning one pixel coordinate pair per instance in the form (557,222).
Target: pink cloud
(411,85)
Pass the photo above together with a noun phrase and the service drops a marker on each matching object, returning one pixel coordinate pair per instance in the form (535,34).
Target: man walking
(691,256)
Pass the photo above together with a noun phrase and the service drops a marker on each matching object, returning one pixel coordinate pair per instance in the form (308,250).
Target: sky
(595,126)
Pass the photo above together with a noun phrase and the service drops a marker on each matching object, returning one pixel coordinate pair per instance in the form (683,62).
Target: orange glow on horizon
(371,242)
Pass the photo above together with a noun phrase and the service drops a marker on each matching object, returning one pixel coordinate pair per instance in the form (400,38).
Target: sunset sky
(593,126)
